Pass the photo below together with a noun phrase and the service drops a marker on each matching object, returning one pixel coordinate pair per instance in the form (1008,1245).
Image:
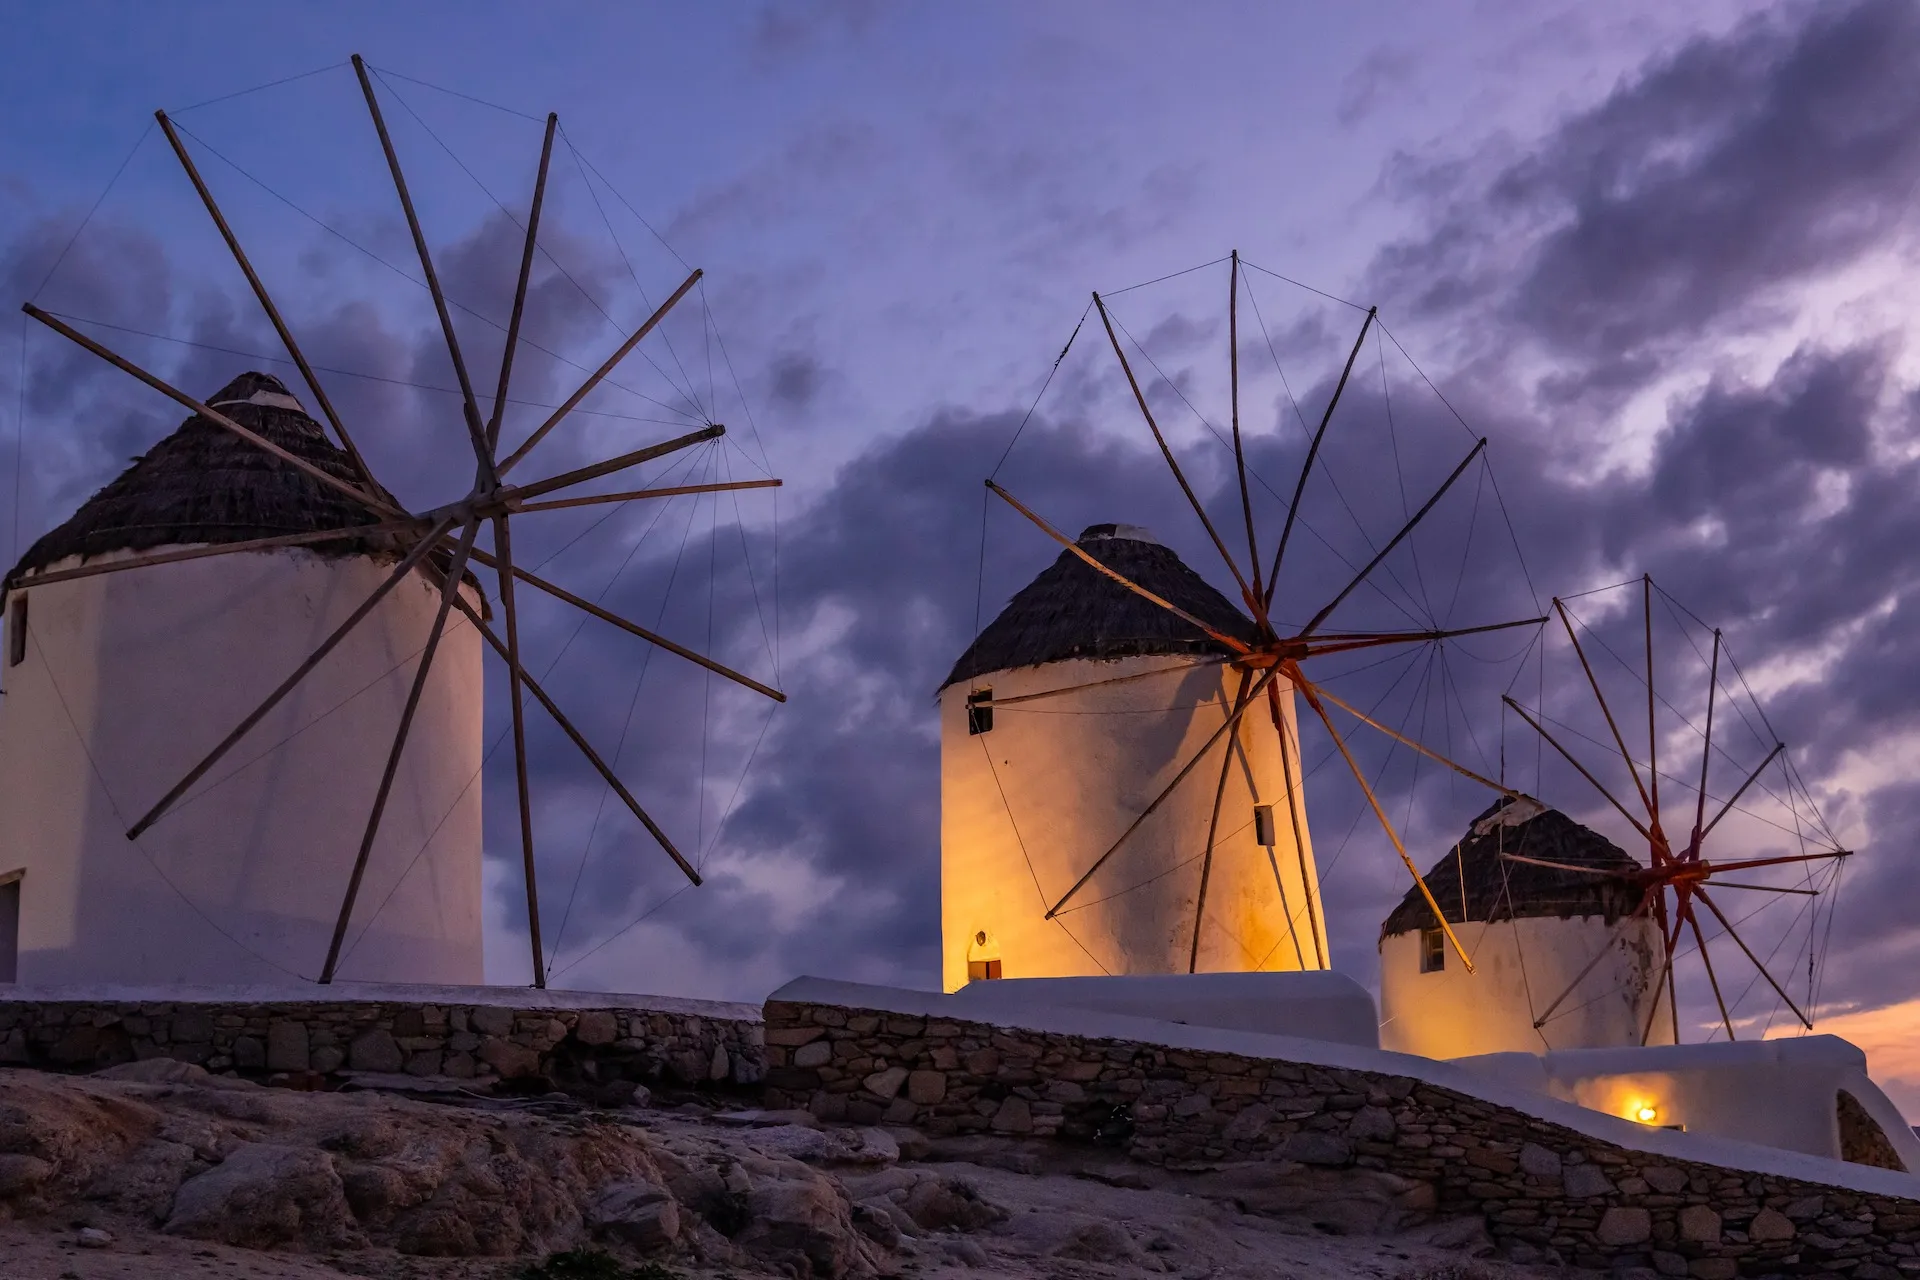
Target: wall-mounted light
(1646,1113)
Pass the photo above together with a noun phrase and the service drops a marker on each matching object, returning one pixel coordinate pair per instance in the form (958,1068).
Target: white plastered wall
(1781,1093)
(131,677)
(1027,807)
(1520,967)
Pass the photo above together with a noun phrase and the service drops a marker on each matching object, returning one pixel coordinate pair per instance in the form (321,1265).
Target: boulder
(637,1213)
(803,1224)
(266,1194)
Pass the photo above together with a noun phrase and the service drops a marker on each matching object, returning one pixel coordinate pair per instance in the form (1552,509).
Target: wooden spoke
(633,628)
(503,549)
(513,338)
(594,378)
(1766,888)
(580,475)
(672,491)
(407,564)
(586,748)
(1239,453)
(1233,718)
(1559,866)
(1095,684)
(1727,924)
(1213,827)
(222,549)
(1193,499)
(1706,749)
(1598,956)
(449,588)
(1566,620)
(1686,913)
(359,495)
(1582,769)
(1753,777)
(1428,752)
(266,302)
(470,407)
(1395,541)
(1238,646)
(1313,451)
(1748,864)
(1288,762)
(1347,642)
(1308,692)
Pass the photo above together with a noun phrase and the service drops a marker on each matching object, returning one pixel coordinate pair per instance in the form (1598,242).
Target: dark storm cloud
(1694,192)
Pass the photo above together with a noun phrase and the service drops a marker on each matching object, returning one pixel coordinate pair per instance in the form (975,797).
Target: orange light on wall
(1646,1113)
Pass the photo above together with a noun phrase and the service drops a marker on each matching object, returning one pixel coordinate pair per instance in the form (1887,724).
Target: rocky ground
(159,1169)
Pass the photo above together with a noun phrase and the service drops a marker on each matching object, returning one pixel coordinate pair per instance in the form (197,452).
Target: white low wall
(1318,1005)
(1777,1092)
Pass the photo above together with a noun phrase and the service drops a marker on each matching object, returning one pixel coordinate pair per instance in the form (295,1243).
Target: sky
(1658,255)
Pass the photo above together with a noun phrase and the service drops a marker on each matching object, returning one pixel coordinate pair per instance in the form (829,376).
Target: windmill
(1267,661)
(1674,883)
(439,544)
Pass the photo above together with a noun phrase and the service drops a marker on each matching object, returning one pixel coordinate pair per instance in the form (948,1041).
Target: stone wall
(464,1033)
(1546,1190)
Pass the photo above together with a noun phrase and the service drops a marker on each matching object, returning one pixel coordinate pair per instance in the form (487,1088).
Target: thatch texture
(203,484)
(1072,611)
(1496,888)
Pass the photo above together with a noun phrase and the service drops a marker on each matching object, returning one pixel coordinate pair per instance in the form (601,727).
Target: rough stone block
(927,1087)
(1719,1269)
(490,1020)
(286,1045)
(249,1054)
(885,1084)
(1539,1162)
(375,1050)
(327,1058)
(1623,1225)
(815,1054)
(1700,1223)
(1013,1115)
(597,1026)
(1585,1180)
(1317,1148)
(512,1061)
(1770,1225)
(1665,1179)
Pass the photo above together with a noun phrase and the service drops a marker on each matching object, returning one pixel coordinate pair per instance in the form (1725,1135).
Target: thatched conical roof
(203,484)
(1474,882)
(1072,611)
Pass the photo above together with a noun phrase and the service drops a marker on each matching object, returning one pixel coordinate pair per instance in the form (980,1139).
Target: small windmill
(1683,873)
(1269,657)
(440,543)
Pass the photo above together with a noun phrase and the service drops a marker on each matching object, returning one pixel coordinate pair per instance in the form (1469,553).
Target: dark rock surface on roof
(203,484)
(1073,611)
(1496,888)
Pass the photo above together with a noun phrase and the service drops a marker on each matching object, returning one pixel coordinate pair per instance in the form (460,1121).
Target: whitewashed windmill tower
(1058,725)
(1566,956)
(117,682)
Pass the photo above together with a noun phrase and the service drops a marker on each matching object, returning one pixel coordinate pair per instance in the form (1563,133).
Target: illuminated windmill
(999,815)
(1675,880)
(417,566)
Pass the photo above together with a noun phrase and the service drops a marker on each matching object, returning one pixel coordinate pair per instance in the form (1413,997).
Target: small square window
(1433,951)
(978,970)
(980,711)
(17,630)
